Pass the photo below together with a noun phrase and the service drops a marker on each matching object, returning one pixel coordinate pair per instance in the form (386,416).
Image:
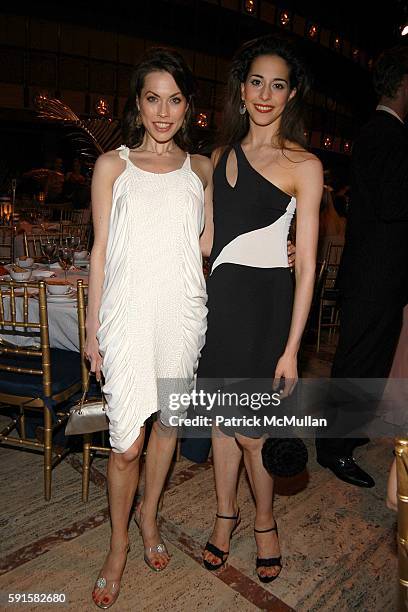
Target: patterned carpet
(338,541)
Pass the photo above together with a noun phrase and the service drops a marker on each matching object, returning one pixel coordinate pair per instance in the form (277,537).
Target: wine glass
(66,258)
(48,249)
(74,241)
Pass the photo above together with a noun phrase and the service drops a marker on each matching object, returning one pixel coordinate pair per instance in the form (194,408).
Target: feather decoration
(93,136)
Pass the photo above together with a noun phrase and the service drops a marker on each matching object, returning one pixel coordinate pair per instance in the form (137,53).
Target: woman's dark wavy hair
(235,126)
(389,70)
(159,59)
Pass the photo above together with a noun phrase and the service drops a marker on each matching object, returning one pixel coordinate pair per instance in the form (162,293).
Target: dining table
(62,310)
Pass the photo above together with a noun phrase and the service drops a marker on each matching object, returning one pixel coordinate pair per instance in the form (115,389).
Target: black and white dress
(250,286)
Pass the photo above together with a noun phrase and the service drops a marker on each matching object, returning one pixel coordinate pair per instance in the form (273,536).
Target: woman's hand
(91,353)
(287,369)
(291,254)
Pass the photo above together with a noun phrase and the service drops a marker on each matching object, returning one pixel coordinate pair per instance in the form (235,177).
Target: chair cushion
(65,371)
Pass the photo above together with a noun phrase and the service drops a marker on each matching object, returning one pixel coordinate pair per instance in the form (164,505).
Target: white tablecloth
(62,318)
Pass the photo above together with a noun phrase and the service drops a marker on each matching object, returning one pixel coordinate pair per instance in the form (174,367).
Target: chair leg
(332,311)
(319,326)
(86,464)
(21,423)
(47,452)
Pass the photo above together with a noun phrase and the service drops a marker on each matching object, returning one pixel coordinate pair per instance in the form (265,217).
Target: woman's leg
(262,489)
(160,451)
(123,476)
(227,458)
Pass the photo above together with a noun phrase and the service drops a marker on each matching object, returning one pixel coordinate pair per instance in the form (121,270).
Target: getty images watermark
(179,402)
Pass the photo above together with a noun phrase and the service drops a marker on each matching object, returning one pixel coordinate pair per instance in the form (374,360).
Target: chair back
(74,217)
(33,243)
(7,234)
(81,232)
(81,306)
(333,258)
(319,282)
(18,319)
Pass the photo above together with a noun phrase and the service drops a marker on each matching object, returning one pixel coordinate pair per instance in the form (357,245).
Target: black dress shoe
(346,469)
(359,442)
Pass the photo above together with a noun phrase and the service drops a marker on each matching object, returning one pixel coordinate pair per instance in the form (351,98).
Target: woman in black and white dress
(255,316)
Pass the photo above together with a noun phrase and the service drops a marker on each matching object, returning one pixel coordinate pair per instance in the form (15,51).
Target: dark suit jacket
(374,265)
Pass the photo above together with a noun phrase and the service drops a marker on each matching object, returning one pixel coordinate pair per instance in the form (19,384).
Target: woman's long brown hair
(234,125)
(159,59)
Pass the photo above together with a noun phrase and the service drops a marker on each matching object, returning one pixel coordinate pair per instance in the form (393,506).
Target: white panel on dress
(262,248)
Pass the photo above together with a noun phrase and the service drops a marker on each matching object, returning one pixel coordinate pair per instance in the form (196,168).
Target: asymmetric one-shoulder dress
(153,313)
(250,287)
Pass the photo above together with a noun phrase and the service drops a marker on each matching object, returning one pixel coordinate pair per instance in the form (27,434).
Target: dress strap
(239,153)
(187,162)
(123,152)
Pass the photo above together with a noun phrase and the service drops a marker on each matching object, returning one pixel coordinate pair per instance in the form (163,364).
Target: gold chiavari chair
(34,215)
(328,299)
(7,235)
(34,379)
(87,447)
(32,243)
(401,454)
(74,217)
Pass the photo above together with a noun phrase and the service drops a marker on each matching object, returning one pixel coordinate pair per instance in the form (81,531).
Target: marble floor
(338,541)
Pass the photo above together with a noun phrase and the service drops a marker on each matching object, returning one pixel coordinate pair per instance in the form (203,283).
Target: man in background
(373,275)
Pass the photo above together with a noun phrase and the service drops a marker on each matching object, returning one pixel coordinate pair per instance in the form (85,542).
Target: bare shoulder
(303,162)
(109,164)
(309,165)
(202,162)
(297,154)
(202,166)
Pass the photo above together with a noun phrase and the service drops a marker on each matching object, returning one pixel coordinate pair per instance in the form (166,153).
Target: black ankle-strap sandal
(269,562)
(217,552)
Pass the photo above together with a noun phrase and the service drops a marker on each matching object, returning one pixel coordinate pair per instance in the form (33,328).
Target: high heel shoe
(270,561)
(217,552)
(159,548)
(112,586)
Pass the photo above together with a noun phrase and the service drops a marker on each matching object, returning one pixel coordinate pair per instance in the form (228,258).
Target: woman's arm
(309,186)
(207,236)
(106,170)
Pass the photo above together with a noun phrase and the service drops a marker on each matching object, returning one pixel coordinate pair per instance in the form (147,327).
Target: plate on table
(82,261)
(65,297)
(35,266)
(41,274)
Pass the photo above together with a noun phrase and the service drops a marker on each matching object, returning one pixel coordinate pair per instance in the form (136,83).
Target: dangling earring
(242,108)
(138,120)
(184,126)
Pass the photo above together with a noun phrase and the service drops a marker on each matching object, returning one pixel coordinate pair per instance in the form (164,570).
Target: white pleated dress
(153,313)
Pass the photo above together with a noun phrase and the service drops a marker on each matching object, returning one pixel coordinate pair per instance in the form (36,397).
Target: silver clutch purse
(88,416)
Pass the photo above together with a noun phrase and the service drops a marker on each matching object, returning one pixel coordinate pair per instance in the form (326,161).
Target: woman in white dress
(146,317)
